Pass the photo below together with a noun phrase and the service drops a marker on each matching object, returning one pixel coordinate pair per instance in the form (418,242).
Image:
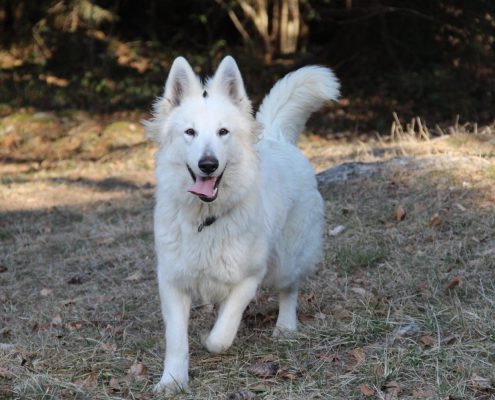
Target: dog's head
(207,131)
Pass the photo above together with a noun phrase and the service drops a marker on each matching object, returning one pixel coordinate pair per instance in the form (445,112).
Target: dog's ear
(228,80)
(181,82)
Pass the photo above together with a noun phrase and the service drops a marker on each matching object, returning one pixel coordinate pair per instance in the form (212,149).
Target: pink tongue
(203,187)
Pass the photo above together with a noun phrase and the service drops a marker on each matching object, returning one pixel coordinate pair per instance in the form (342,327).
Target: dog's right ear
(181,82)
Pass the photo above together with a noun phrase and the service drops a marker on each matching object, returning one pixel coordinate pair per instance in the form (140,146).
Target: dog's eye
(223,132)
(190,132)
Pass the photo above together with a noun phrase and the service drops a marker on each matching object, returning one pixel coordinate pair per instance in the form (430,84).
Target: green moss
(460,140)
(490,172)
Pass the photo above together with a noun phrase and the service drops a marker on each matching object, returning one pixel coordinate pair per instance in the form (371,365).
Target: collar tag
(207,222)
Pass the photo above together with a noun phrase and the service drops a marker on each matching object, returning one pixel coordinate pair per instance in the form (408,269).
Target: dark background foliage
(415,57)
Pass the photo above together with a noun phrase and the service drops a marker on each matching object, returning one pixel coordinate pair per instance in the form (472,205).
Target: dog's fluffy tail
(285,110)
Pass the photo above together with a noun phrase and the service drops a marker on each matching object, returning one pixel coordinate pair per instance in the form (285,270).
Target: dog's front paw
(170,386)
(215,344)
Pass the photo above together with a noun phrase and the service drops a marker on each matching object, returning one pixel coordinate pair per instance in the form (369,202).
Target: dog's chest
(216,254)
(211,261)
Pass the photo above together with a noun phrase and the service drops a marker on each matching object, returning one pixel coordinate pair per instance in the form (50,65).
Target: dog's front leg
(229,317)
(176,306)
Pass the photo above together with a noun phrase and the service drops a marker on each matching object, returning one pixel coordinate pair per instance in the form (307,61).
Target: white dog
(237,204)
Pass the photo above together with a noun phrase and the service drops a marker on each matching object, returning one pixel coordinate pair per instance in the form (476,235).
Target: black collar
(207,222)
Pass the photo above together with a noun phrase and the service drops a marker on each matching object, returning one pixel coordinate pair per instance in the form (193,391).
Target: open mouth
(205,187)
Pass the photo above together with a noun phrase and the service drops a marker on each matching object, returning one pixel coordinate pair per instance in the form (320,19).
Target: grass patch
(404,307)
(362,254)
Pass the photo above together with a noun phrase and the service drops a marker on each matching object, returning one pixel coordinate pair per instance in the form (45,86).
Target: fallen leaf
(136,276)
(119,316)
(41,327)
(393,388)
(481,383)
(423,288)
(427,341)
(46,292)
(6,374)
(337,230)
(260,387)
(99,299)
(488,252)
(7,346)
(138,370)
(379,371)
(340,313)
(53,80)
(39,365)
(90,381)
(321,316)
(264,368)
(306,317)
(3,268)
(400,213)
(108,347)
(407,329)
(105,240)
(423,393)
(309,298)
(73,325)
(78,279)
(347,210)
(357,358)
(366,390)
(69,302)
(360,291)
(284,373)
(114,385)
(360,278)
(435,221)
(56,320)
(456,281)
(241,394)
(451,339)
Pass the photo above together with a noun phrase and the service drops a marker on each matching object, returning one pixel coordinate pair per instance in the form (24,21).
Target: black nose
(208,164)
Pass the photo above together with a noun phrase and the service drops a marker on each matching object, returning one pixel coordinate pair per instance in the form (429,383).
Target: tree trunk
(289,26)
(278,31)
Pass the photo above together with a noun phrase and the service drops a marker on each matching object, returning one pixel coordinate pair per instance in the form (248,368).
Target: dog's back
(293,205)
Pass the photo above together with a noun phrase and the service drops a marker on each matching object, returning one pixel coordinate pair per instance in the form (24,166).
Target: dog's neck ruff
(207,222)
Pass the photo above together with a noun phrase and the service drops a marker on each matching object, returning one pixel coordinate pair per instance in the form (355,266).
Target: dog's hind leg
(287,317)
(229,317)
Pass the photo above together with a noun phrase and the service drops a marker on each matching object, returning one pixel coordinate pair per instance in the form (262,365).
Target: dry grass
(79,302)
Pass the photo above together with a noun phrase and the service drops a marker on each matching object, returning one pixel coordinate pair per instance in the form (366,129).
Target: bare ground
(402,307)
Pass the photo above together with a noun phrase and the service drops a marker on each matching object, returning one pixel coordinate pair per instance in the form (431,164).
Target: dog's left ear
(228,80)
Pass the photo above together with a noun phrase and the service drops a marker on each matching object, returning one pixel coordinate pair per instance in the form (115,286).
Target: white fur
(269,214)
(297,95)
